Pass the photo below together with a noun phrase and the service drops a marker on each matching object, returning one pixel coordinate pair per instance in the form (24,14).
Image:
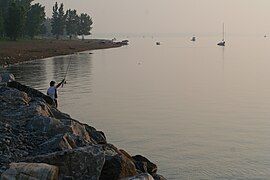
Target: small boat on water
(265,36)
(125,42)
(193,39)
(158,43)
(222,43)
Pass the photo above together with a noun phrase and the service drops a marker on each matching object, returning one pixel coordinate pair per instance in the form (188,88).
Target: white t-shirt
(52,92)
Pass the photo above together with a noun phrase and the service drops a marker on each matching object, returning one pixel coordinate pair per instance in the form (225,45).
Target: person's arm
(62,82)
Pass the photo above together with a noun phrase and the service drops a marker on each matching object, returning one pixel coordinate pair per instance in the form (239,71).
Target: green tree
(43,30)
(58,20)
(14,21)
(25,3)
(26,6)
(72,23)
(35,19)
(54,21)
(1,24)
(85,23)
(4,6)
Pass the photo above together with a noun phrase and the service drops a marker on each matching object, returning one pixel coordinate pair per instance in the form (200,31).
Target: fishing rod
(67,70)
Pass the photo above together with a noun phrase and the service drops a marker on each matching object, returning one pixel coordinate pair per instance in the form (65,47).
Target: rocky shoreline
(37,141)
(12,52)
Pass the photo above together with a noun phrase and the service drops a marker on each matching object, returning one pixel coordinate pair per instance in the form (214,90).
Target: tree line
(23,19)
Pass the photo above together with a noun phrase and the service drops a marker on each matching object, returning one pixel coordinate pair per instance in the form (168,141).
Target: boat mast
(223,35)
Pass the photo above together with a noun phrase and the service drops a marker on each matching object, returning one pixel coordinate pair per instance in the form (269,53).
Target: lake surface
(197,110)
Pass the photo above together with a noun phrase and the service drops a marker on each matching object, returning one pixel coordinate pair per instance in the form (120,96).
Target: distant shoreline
(12,52)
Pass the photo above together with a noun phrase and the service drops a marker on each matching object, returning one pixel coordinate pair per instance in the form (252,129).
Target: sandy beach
(12,52)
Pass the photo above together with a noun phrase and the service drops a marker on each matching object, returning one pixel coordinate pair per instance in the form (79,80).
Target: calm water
(197,110)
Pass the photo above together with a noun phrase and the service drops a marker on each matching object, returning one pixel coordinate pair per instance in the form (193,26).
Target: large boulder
(31,171)
(52,127)
(80,163)
(141,162)
(13,97)
(117,167)
(98,137)
(58,143)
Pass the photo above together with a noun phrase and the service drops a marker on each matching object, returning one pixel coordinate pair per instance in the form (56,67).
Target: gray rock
(57,143)
(144,176)
(80,163)
(97,137)
(13,97)
(7,77)
(31,171)
(117,167)
(158,177)
(141,161)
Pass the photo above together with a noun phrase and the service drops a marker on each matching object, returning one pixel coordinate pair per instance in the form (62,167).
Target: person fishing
(52,91)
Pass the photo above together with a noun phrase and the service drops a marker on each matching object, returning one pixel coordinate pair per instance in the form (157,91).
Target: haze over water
(197,110)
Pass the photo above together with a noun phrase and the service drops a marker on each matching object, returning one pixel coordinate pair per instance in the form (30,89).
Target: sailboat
(222,43)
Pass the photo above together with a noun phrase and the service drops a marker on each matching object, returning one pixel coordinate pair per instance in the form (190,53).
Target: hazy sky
(173,16)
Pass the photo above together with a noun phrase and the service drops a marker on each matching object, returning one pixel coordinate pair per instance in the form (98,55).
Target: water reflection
(39,73)
(33,73)
(223,59)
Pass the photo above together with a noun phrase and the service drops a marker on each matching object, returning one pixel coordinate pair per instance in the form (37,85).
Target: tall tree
(26,5)
(54,21)
(35,19)
(4,6)
(85,23)
(72,23)
(58,20)
(1,24)
(14,21)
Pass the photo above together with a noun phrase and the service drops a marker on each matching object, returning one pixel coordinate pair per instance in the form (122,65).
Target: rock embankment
(37,141)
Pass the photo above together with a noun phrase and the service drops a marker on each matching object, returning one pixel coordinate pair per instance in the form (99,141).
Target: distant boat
(193,39)
(265,36)
(125,42)
(158,43)
(222,43)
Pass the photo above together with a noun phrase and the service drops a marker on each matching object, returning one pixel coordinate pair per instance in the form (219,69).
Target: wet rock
(97,136)
(140,161)
(110,150)
(117,167)
(144,176)
(80,163)
(158,177)
(31,171)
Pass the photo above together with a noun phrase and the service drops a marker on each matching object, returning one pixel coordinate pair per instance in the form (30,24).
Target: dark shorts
(56,103)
